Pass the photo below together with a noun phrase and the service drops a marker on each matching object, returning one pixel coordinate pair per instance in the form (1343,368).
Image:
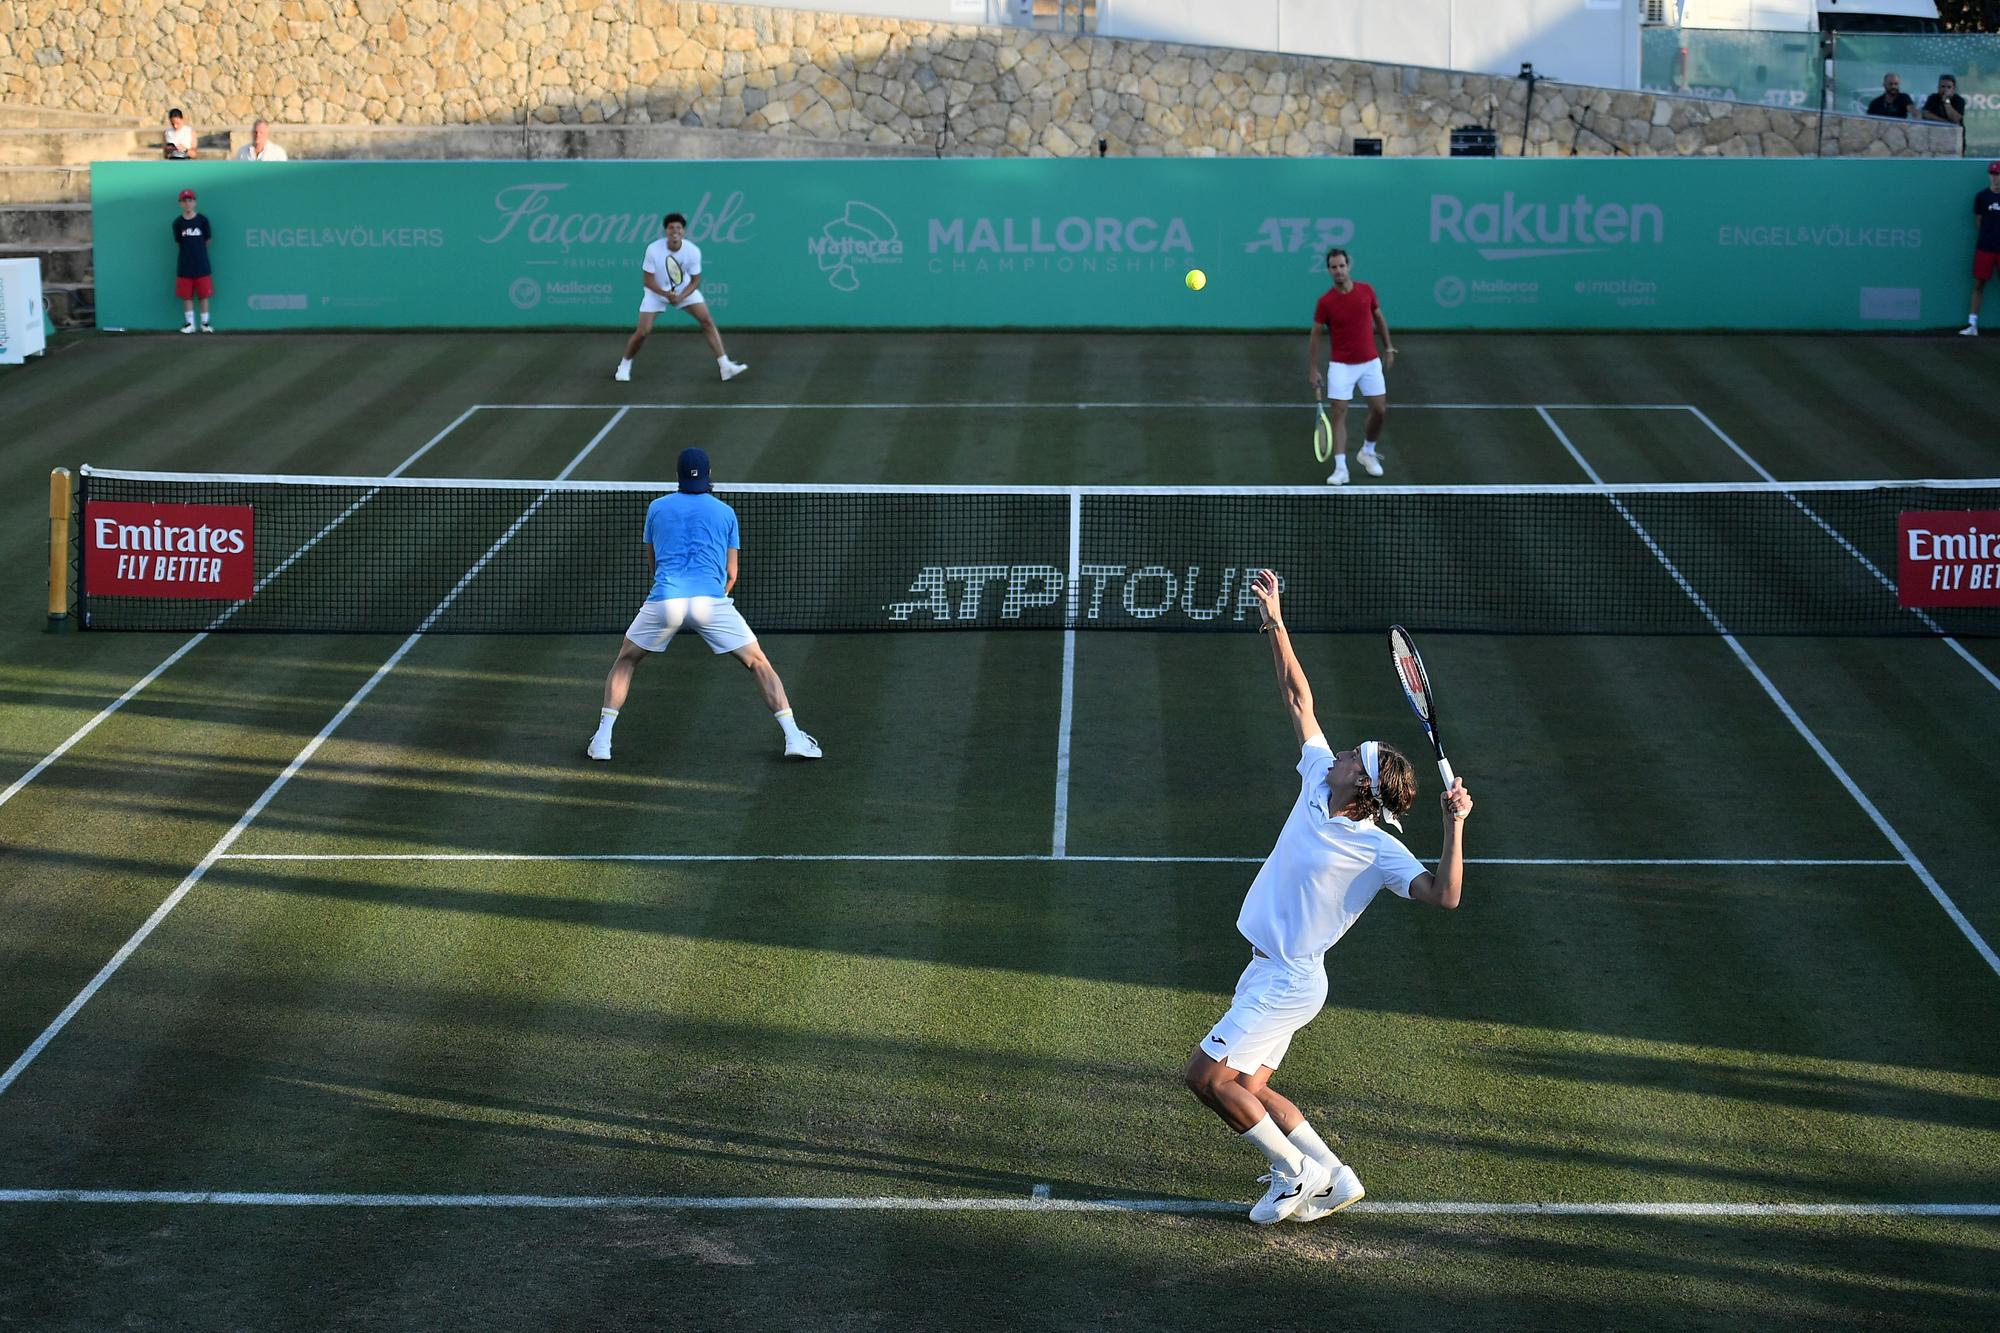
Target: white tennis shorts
(1272,1002)
(653,303)
(1341,379)
(716,619)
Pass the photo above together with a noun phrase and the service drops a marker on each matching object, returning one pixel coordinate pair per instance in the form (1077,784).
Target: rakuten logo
(1510,229)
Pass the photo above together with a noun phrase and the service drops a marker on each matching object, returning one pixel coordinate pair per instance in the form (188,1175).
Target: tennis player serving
(1330,861)
(691,545)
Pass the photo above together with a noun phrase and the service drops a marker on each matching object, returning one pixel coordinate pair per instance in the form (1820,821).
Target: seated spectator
(260,148)
(1894,102)
(178,142)
(1945,104)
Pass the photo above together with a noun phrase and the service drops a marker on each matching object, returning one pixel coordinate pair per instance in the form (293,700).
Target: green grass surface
(948,1028)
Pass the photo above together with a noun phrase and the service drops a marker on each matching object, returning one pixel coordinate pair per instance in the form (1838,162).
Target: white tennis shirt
(688,257)
(1323,873)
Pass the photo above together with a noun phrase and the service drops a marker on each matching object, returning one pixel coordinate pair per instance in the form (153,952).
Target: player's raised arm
(1440,888)
(1292,687)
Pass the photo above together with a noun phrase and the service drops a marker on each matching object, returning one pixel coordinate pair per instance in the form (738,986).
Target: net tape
(375,555)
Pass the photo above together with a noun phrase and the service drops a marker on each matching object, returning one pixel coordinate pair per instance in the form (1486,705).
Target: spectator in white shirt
(177,144)
(260,148)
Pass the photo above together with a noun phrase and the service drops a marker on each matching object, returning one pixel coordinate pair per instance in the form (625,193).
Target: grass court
(427,1020)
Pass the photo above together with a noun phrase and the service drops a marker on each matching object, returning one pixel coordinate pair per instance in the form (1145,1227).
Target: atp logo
(862,235)
(1449,292)
(525,293)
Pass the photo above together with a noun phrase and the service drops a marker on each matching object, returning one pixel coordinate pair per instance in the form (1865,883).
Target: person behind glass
(177,144)
(1894,102)
(1945,104)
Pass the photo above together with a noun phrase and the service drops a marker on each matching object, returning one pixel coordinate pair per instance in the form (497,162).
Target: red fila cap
(189,194)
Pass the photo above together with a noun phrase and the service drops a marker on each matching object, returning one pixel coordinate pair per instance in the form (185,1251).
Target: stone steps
(35,185)
(559,143)
(45,224)
(41,147)
(22,117)
(60,263)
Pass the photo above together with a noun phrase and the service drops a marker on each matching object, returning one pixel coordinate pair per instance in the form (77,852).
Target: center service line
(223,844)
(1875,816)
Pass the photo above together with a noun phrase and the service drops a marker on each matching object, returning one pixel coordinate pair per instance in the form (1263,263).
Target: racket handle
(1444,771)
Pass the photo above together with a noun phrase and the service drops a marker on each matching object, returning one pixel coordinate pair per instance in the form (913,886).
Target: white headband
(1371,761)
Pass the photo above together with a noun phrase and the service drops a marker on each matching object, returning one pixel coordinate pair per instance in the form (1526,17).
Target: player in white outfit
(672,275)
(1330,861)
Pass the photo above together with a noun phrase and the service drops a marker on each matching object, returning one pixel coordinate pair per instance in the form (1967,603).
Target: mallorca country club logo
(525,293)
(1449,292)
(863,234)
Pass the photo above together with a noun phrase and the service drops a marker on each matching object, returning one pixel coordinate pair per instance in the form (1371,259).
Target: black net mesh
(528,557)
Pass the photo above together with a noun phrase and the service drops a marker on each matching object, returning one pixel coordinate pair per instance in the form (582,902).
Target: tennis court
(481,1030)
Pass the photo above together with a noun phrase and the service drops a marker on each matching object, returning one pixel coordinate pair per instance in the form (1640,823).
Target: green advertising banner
(1448,243)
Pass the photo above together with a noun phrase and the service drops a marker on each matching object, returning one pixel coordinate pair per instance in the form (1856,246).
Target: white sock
(722,360)
(1340,459)
(607,718)
(1271,1141)
(1307,1140)
(1972,320)
(786,721)
(624,363)
(1368,448)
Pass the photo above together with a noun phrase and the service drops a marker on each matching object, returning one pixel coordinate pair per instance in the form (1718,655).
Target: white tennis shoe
(599,747)
(1969,331)
(188,327)
(1369,462)
(1288,1191)
(1338,477)
(801,746)
(1343,1191)
(731,369)
(623,374)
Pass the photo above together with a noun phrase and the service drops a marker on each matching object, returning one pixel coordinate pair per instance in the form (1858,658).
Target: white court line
(1887,829)
(184,649)
(1028,857)
(1923,617)
(966,404)
(223,844)
(1059,838)
(1038,1201)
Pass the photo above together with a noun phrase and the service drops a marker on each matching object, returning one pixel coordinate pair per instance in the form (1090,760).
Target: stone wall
(979,91)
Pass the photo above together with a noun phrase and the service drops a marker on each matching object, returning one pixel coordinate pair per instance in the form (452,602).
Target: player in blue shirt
(692,540)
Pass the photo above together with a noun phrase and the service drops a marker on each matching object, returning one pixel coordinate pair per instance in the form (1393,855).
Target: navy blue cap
(693,471)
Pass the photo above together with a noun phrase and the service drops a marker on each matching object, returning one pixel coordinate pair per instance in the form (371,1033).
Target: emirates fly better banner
(163,550)
(1447,243)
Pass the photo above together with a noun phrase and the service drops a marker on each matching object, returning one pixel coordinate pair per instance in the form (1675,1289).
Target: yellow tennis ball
(1196,280)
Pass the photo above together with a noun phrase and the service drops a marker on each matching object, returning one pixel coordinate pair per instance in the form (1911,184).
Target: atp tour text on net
(1148,592)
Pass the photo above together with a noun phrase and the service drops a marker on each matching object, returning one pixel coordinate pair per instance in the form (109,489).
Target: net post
(60,508)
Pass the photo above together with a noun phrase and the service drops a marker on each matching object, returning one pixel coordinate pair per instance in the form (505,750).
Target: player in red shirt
(1352,317)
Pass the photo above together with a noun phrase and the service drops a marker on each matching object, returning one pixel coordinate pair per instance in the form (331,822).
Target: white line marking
(184,649)
(948,858)
(1060,842)
(1923,617)
(1875,816)
(1038,1201)
(959,405)
(236,830)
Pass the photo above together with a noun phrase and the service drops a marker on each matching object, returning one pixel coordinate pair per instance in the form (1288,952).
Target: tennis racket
(675,275)
(1322,433)
(1416,683)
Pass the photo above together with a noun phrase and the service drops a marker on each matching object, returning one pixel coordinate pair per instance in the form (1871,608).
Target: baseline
(1038,1201)
(975,858)
(961,405)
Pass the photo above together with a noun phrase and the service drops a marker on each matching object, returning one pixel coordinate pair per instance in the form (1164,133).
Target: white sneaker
(1288,1191)
(731,369)
(188,327)
(599,747)
(1369,462)
(623,374)
(1343,1191)
(1969,331)
(1338,477)
(801,746)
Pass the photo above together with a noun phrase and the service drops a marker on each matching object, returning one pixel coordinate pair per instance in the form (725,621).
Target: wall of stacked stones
(984,91)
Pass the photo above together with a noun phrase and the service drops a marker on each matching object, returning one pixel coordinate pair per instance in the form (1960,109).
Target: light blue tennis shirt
(692,536)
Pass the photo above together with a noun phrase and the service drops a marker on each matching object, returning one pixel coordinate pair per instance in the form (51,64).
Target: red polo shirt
(1350,323)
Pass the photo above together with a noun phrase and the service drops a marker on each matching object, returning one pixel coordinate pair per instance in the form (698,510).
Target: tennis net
(379,555)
